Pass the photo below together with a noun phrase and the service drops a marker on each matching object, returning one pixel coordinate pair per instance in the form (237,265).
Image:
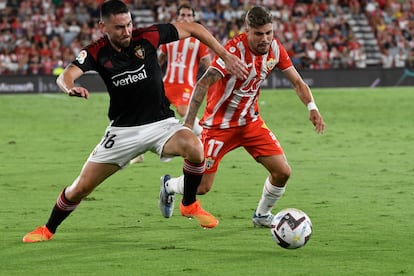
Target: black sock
(193,172)
(60,212)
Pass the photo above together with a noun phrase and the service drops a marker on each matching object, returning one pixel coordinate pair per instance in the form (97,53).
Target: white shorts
(121,144)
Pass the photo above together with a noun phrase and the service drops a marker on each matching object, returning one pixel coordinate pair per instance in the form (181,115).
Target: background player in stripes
(183,59)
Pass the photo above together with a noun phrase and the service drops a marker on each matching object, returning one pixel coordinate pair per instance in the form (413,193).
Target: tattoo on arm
(200,91)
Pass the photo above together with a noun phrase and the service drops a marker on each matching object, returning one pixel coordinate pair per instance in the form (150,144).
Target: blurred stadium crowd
(42,36)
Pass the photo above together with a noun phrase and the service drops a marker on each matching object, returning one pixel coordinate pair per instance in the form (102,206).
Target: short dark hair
(258,16)
(113,7)
(185,6)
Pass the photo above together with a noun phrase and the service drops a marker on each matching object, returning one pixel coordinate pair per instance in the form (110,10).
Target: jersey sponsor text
(131,77)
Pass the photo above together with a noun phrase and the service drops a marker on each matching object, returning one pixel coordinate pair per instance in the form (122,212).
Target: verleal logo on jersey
(130,77)
(81,56)
(139,52)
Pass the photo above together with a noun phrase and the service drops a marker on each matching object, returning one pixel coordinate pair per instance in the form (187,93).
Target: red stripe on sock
(193,168)
(64,204)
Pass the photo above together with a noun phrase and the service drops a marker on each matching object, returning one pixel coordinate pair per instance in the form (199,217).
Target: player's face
(260,38)
(119,29)
(185,15)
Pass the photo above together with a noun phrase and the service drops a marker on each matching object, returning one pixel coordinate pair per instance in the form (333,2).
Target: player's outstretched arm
(304,93)
(66,82)
(233,64)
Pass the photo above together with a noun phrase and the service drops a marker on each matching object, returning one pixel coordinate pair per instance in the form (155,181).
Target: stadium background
(355,181)
(335,43)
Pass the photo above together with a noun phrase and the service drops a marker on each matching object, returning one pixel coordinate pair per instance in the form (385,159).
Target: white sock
(197,128)
(176,185)
(269,197)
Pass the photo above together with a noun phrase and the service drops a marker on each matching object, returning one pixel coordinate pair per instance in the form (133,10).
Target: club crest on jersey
(139,52)
(209,162)
(81,56)
(271,63)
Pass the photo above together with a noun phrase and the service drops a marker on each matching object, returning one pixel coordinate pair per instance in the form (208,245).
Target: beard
(262,48)
(124,43)
(121,43)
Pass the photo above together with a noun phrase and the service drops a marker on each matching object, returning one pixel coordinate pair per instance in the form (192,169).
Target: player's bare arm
(200,91)
(66,82)
(304,93)
(233,64)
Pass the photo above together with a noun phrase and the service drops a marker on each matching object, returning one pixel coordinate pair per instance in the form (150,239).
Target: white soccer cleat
(262,221)
(166,200)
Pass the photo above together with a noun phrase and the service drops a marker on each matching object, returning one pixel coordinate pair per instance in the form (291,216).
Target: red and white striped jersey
(183,60)
(232,102)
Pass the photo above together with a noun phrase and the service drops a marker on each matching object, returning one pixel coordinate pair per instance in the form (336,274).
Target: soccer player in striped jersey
(232,119)
(183,59)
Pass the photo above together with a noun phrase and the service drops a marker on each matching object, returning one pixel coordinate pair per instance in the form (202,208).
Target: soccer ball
(291,228)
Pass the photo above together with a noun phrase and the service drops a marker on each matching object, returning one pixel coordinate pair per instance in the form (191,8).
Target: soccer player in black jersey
(139,113)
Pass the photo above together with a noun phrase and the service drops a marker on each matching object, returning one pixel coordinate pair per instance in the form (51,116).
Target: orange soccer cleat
(41,233)
(194,210)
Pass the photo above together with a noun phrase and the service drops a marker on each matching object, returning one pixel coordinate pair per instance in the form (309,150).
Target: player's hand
(236,66)
(78,92)
(317,120)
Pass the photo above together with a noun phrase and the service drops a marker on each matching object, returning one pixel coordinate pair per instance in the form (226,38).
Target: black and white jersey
(132,76)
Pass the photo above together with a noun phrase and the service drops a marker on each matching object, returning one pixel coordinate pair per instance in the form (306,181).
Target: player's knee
(284,177)
(195,152)
(281,177)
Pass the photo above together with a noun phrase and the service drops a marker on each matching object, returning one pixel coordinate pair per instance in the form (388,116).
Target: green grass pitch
(355,182)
